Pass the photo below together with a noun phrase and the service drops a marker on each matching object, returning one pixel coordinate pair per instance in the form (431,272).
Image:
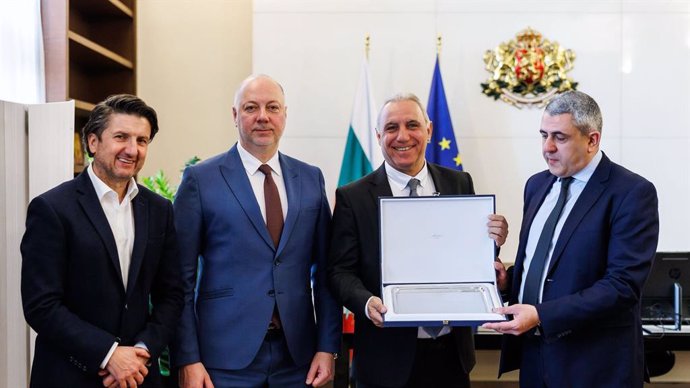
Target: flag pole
(438,45)
(367,42)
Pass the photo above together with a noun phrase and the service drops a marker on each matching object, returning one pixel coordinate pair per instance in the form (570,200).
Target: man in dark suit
(588,237)
(396,357)
(95,250)
(255,224)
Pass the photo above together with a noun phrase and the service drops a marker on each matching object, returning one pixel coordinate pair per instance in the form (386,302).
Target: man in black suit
(407,356)
(96,250)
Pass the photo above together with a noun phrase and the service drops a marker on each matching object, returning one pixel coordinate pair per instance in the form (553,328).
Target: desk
(657,337)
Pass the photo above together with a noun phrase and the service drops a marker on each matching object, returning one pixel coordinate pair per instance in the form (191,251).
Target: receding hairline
(251,79)
(402,97)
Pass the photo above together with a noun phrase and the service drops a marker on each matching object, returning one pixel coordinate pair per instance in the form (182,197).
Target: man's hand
(108,379)
(375,310)
(194,376)
(525,318)
(321,370)
(498,228)
(126,367)
(501,275)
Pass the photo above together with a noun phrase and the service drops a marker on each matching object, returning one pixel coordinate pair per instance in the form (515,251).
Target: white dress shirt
(256,178)
(578,184)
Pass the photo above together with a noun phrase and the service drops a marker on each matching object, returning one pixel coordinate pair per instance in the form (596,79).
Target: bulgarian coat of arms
(528,70)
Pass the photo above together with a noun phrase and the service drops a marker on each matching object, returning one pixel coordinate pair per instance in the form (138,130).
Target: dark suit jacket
(590,311)
(382,356)
(72,287)
(243,275)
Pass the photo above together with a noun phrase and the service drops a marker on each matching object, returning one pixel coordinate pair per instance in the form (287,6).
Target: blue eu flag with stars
(443,149)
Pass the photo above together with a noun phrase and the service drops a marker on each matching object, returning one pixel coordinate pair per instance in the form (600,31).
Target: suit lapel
(589,196)
(293,187)
(140,207)
(94,212)
(235,177)
(443,185)
(379,185)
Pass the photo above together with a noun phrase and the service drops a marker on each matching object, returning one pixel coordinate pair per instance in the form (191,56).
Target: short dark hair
(117,103)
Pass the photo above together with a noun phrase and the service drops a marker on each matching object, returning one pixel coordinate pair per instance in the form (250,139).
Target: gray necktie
(433,331)
(413,184)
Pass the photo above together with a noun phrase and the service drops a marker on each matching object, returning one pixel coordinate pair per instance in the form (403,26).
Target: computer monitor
(659,294)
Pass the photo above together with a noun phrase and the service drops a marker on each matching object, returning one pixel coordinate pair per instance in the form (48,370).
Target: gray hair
(586,115)
(249,79)
(399,98)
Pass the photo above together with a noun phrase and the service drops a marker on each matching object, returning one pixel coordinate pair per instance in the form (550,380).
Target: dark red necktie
(274,211)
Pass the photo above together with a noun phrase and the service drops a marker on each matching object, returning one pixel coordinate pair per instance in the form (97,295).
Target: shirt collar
(252,164)
(400,179)
(102,189)
(586,173)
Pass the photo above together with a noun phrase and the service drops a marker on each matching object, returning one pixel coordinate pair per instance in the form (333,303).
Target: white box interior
(437,259)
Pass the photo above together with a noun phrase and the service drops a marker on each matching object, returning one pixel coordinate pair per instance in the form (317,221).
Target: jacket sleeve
(329,312)
(44,266)
(188,221)
(344,257)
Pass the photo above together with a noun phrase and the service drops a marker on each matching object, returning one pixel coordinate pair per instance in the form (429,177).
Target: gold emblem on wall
(528,70)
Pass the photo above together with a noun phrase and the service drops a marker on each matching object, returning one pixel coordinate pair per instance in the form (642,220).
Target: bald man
(253,226)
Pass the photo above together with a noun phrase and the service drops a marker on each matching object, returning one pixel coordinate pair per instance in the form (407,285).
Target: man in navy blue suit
(589,234)
(96,250)
(253,224)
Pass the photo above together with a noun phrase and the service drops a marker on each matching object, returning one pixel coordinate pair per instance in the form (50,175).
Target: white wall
(632,57)
(191,56)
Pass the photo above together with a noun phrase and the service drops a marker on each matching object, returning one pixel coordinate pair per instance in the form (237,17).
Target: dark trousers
(436,364)
(531,367)
(272,367)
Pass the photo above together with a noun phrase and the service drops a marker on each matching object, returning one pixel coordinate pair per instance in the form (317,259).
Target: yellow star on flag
(458,160)
(445,144)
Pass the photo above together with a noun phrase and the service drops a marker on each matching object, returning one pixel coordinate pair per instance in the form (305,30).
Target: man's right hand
(126,367)
(194,376)
(375,310)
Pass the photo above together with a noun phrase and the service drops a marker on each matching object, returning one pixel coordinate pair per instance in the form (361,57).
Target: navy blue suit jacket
(242,275)
(590,311)
(383,356)
(72,287)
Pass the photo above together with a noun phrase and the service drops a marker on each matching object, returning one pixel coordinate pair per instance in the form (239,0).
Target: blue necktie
(530,294)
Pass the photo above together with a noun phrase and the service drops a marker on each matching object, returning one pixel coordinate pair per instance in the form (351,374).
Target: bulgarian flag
(362,153)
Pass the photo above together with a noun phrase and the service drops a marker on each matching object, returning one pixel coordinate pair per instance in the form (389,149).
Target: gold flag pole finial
(367,42)
(438,45)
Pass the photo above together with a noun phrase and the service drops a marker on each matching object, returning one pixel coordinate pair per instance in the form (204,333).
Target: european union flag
(443,149)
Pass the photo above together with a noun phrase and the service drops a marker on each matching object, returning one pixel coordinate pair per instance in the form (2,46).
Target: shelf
(110,8)
(92,54)
(83,106)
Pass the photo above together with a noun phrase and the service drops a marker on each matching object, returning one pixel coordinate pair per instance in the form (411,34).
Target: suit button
(271,293)
(126,307)
(277,263)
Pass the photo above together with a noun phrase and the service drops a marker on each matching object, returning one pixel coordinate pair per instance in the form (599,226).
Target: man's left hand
(525,318)
(321,370)
(498,228)
(110,381)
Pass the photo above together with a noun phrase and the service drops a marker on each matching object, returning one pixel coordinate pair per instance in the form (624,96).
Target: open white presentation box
(437,261)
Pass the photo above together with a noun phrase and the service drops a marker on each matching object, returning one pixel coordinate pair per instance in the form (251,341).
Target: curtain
(22,76)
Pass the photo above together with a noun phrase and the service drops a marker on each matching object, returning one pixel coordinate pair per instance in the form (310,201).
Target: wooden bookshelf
(90,52)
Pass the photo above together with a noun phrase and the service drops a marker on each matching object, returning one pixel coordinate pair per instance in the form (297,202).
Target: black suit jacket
(72,288)
(382,356)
